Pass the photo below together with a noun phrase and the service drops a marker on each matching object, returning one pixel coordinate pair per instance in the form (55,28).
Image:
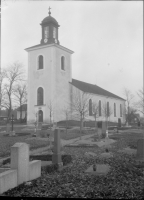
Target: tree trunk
(20,113)
(66,124)
(81,126)
(95,125)
(50,134)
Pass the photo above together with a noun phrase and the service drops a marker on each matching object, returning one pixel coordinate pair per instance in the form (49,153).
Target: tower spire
(49,11)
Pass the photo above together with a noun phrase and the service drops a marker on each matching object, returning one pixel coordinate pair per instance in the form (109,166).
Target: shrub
(47,157)
(66,159)
(6,161)
(22,134)
(50,168)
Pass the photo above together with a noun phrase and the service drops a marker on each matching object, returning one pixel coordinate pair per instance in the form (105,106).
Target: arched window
(40,116)
(99,108)
(120,110)
(40,95)
(63,63)
(54,32)
(90,107)
(114,110)
(107,109)
(40,62)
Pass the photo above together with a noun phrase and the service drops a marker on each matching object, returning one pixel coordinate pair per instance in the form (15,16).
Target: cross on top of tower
(49,11)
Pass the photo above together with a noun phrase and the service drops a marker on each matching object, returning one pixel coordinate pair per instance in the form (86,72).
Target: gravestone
(101,169)
(103,129)
(21,170)
(106,135)
(140,149)
(54,126)
(39,125)
(12,133)
(20,161)
(128,150)
(99,133)
(56,157)
(8,127)
(90,154)
(106,155)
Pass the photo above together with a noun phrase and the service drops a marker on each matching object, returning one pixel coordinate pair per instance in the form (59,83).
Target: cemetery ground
(24,134)
(125,179)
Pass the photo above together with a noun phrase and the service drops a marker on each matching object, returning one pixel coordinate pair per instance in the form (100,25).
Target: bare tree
(129,97)
(20,96)
(140,104)
(107,112)
(13,74)
(133,114)
(95,111)
(2,77)
(80,106)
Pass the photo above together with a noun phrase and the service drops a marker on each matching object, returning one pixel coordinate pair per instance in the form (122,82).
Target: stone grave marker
(56,157)
(103,129)
(101,169)
(20,161)
(106,155)
(140,149)
(21,170)
(106,135)
(99,133)
(128,150)
(40,125)
(8,128)
(90,154)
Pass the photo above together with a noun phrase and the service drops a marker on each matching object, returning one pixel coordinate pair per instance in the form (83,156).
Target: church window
(46,32)
(63,63)
(54,32)
(40,95)
(90,107)
(120,110)
(40,62)
(107,108)
(40,116)
(114,110)
(99,108)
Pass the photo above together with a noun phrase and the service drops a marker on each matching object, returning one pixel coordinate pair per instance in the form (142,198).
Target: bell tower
(49,30)
(49,75)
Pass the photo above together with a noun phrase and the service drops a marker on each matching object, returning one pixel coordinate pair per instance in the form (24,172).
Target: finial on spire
(49,11)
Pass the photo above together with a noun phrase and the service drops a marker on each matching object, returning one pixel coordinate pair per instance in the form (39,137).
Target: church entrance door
(119,122)
(40,116)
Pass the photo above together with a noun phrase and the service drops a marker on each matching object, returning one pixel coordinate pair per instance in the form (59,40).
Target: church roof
(49,19)
(94,89)
(43,45)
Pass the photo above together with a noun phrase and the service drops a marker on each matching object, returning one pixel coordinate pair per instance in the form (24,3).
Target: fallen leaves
(124,181)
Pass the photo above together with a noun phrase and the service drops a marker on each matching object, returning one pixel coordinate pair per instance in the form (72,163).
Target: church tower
(49,74)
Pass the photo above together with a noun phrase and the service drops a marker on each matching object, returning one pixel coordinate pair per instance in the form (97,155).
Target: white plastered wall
(52,79)
(104,99)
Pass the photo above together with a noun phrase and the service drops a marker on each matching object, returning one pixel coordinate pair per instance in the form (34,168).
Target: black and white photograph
(72,99)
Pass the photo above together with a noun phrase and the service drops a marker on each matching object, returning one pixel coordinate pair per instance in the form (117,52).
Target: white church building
(51,86)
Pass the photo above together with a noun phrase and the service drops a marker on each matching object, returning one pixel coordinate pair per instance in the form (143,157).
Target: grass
(45,157)
(7,142)
(74,133)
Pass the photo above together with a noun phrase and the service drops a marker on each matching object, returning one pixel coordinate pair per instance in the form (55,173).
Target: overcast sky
(106,37)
